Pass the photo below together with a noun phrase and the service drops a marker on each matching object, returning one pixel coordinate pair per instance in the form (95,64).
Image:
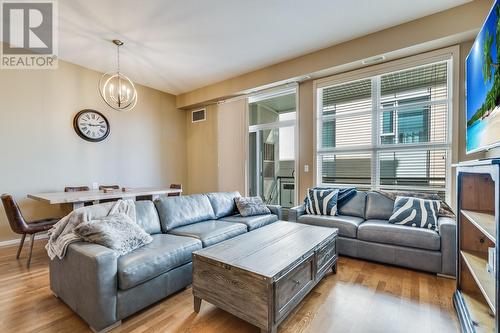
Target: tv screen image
(483,86)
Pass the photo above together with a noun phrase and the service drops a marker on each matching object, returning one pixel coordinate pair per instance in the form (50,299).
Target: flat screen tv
(483,86)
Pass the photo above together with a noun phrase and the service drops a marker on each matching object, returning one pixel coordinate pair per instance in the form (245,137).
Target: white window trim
(450,54)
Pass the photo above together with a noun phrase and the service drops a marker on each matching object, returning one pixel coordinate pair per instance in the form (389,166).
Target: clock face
(91,125)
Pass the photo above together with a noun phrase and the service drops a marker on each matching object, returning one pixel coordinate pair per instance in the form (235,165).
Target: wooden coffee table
(262,275)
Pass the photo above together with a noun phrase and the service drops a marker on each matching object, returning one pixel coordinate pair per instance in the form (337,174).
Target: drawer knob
(296,281)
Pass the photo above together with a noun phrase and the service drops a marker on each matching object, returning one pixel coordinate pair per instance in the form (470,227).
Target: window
(387,131)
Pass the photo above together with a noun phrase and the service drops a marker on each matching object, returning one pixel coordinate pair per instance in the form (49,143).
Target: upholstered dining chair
(76,188)
(21,227)
(175,187)
(79,189)
(108,187)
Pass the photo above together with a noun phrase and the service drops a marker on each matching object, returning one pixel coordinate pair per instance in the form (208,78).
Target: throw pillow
(444,209)
(117,232)
(250,206)
(345,193)
(321,201)
(415,212)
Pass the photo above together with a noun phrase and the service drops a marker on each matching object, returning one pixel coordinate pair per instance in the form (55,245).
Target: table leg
(197,304)
(77,205)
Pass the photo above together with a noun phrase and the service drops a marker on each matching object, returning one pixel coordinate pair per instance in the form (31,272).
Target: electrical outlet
(306,168)
(95,186)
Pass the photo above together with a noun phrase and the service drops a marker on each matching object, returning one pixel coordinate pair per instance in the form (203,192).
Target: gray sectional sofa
(365,232)
(103,288)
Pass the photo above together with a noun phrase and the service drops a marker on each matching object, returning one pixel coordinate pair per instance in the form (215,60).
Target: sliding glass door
(272,147)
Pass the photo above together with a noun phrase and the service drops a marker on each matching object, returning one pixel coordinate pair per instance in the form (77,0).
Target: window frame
(448,55)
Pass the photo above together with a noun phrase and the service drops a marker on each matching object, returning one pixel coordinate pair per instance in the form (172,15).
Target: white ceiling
(177,46)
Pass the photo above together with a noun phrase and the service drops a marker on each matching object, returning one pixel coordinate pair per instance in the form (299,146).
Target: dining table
(78,199)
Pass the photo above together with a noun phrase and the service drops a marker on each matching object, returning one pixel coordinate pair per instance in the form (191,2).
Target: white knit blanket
(62,233)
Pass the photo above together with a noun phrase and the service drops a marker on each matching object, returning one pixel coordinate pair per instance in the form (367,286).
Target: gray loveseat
(364,232)
(104,289)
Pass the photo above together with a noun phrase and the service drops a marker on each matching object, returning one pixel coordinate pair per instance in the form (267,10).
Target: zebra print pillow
(415,212)
(321,201)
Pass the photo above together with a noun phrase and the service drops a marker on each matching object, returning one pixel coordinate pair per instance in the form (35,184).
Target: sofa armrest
(276,210)
(86,280)
(295,212)
(448,231)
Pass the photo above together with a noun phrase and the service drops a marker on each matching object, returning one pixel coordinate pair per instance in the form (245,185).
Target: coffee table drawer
(293,286)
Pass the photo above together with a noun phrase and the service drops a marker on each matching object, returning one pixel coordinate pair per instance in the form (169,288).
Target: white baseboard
(16,241)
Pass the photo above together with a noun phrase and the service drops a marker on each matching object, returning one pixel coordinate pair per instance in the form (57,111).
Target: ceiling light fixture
(116,89)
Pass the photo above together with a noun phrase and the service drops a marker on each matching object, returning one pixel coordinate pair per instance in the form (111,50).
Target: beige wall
(232,143)
(431,32)
(41,151)
(306,144)
(216,149)
(201,145)
(493,153)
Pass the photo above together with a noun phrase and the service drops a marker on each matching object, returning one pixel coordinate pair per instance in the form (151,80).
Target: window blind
(388,131)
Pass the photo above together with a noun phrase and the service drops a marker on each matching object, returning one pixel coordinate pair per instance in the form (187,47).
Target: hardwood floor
(362,297)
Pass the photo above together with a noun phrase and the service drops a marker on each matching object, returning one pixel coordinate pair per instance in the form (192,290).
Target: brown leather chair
(20,226)
(108,187)
(79,189)
(175,187)
(76,188)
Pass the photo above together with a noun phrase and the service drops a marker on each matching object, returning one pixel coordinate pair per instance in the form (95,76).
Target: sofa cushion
(381,231)
(354,206)
(183,210)
(147,216)
(252,222)
(378,206)
(223,203)
(347,225)
(211,232)
(165,253)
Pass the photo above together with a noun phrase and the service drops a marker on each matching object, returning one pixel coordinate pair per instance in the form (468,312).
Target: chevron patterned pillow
(321,201)
(415,212)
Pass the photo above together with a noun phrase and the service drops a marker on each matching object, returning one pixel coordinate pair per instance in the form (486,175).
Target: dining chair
(108,187)
(19,225)
(175,187)
(76,188)
(79,189)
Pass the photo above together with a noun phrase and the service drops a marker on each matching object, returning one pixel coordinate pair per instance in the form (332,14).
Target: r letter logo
(29,35)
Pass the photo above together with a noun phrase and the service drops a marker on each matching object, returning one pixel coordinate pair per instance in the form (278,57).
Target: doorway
(272,146)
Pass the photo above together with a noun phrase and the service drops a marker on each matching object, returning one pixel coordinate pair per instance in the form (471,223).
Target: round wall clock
(91,125)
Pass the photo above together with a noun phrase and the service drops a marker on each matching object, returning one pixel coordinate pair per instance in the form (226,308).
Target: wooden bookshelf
(476,297)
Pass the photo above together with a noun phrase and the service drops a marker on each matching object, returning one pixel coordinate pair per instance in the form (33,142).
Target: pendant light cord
(118,57)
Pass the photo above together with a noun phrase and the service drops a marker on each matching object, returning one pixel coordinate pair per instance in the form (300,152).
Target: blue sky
(476,89)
